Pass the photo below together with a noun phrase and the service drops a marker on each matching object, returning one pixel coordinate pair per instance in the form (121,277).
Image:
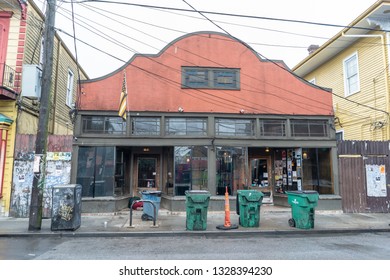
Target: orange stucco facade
(154,82)
(188,128)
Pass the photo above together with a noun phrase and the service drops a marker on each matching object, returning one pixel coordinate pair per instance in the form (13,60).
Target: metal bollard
(147,201)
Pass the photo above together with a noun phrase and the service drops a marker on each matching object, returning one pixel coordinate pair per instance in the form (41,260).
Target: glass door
(261,179)
(147,172)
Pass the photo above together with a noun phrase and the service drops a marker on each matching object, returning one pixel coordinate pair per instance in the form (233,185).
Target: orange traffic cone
(227,210)
(227,224)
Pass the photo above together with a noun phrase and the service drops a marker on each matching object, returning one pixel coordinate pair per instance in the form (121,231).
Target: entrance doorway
(261,178)
(146,173)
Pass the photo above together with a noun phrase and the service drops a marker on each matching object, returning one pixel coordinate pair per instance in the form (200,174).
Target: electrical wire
(229,14)
(259,54)
(349,100)
(292,100)
(78,96)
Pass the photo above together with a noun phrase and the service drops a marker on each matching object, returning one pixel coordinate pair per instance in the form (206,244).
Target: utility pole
(35,218)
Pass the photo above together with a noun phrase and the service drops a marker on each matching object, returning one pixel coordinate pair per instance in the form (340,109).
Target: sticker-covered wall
(58,166)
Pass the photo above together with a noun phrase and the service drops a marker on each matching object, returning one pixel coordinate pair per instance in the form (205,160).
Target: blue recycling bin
(148,210)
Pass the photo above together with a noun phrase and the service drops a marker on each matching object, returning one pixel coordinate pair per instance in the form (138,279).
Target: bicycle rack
(147,201)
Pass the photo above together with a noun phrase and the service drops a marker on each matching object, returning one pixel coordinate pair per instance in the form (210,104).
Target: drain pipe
(381,36)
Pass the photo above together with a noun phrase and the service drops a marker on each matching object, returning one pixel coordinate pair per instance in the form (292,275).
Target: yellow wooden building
(22,23)
(355,65)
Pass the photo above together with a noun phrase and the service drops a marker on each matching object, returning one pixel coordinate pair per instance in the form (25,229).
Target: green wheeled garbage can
(302,208)
(248,207)
(197,203)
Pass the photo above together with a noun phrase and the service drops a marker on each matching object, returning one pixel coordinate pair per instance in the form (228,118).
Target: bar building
(206,112)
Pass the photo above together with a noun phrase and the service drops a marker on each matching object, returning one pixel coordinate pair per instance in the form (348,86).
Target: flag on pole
(123,99)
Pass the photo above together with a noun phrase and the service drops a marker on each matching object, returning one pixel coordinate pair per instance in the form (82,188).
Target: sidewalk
(273,220)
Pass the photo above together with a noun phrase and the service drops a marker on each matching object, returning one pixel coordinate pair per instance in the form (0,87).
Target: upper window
(234,127)
(351,75)
(69,89)
(105,125)
(210,78)
(339,135)
(145,126)
(309,128)
(186,126)
(273,127)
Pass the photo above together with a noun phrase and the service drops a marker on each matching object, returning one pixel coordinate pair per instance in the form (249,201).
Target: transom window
(103,124)
(273,127)
(145,126)
(210,78)
(186,126)
(234,127)
(309,128)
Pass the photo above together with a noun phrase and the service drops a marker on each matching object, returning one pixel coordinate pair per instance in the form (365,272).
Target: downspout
(381,36)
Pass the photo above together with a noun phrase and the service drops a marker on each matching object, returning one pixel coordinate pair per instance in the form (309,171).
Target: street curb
(216,234)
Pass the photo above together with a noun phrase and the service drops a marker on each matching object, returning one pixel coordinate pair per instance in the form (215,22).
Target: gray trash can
(66,207)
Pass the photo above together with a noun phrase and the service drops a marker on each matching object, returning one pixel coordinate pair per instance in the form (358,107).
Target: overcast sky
(112,33)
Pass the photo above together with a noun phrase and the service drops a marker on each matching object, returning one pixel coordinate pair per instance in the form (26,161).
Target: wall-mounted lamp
(146,149)
(304,155)
(267,149)
(181,110)
(242,111)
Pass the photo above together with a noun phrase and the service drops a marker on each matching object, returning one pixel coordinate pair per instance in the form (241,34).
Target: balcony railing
(9,82)
(8,77)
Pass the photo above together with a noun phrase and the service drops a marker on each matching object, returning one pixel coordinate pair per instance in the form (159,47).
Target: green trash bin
(248,207)
(302,208)
(197,203)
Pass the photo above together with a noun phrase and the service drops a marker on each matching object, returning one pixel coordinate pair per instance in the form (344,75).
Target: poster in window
(376,180)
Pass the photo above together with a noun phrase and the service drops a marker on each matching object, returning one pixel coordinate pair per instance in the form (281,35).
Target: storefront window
(106,125)
(309,128)
(234,127)
(190,169)
(96,171)
(145,126)
(317,170)
(186,126)
(273,127)
(230,169)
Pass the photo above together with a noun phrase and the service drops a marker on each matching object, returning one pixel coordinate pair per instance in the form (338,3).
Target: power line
(325,89)
(72,117)
(256,90)
(229,14)
(277,65)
